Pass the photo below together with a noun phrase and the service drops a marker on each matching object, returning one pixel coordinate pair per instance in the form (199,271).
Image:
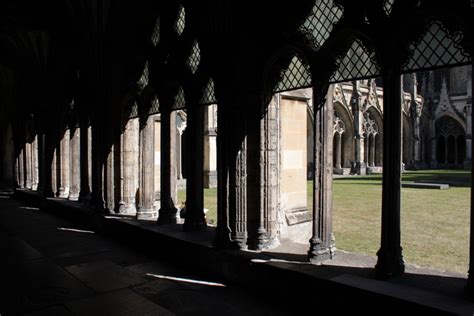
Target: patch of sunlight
(76,230)
(185,280)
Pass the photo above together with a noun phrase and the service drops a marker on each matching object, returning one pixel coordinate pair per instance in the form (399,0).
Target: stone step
(418,185)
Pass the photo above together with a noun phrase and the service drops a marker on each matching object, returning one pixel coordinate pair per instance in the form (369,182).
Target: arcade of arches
(115,113)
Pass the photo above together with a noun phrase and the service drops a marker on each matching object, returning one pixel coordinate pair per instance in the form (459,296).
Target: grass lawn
(435,223)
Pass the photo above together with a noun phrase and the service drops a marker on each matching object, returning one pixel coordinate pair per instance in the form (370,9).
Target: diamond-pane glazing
(321,20)
(143,81)
(155,106)
(180,22)
(387,6)
(180,100)
(208,94)
(134,111)
(155,37)
(297,75)
(357,63)
(194,58)
(438,47)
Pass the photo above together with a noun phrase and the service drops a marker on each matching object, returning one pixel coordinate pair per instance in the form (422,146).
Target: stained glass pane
(387,6)
(180,100)
(155,37)
(180,22)
(155,106)
(297,75)
(208,94)
(438,47)
(134,111)
(143,81)
(358,63)
(321,20)
(194,58)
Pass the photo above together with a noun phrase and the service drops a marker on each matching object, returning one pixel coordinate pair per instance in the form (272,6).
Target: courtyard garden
(435,223)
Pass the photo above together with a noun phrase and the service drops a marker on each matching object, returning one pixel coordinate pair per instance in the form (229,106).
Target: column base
(63,193)
(129,209)
(147,214)
(467,164)
(239,242)
(210,179)
(34,187)
(73,196)
(316,254)
(167,216)
(360,168)
(389,264)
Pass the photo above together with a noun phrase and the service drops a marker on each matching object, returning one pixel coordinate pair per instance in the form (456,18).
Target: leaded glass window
(296,75)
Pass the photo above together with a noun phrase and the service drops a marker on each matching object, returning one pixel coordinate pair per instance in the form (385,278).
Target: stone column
(179,162)
(34,163)
(269,164)
(338,150)
(146,207)
(28,165)
(358,130)
(390,260)
(20,162)
(468,159)
(64,185)
(232,177)
(195,218)
(85,162)
(167,213)
(108,185)
(470,278)
(321,242)
(130,170)
(75,164)
(372,150)
(210,173)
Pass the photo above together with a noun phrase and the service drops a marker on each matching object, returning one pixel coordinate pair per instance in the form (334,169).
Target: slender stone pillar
(232,177)
(45,154)
(360,166)
(470,278)
(146,208)
(130,170)
(468,158)
(85,161)
(64,186)
(195,219)
(338,150)
(75,164)
(21,167)
(390,260)
(167,214)
(210,152)
(34,163)
(28,165)
(269,164)
(372,150)
(321,242)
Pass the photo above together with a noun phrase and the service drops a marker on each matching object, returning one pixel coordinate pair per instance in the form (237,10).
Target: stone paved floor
(49,266)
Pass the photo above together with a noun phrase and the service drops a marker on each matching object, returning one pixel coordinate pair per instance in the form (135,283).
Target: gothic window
(155,36)
(208,95)
(437,47)
(320,22)
(194,58)
(180,21)
(357,63)
(296,75)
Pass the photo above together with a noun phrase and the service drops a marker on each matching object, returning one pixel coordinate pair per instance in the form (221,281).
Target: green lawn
(435,223)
